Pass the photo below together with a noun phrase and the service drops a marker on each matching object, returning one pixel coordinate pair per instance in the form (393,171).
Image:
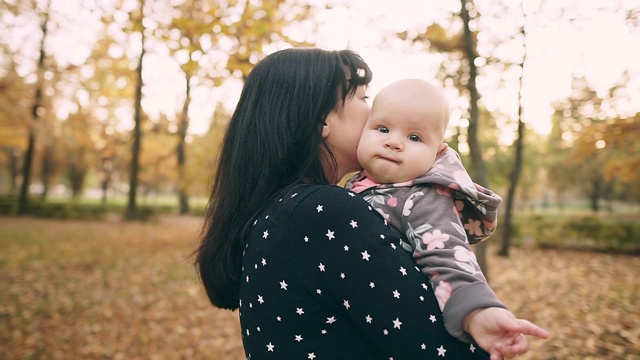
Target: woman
(313,269)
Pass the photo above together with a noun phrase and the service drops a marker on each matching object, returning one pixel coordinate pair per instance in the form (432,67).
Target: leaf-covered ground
(113,290)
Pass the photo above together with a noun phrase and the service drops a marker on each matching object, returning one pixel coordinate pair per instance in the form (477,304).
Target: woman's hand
(500,333)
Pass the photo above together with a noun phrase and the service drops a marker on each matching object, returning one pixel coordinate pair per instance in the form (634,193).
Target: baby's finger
(528,328)
(515,346)
(500,352)
(495,354)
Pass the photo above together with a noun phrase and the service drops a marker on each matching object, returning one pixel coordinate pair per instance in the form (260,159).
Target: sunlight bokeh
(596,44)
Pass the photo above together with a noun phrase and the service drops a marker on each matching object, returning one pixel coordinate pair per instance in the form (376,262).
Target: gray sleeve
(441,250)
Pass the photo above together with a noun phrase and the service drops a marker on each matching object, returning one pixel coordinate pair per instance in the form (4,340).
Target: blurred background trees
(70,72)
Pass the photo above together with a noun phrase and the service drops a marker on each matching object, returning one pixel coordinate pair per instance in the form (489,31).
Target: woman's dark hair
(273,144)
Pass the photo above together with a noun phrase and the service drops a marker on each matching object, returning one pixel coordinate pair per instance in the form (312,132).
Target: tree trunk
(132,211)
(23,200)
(183,126)
(594,197)
(105,181)
(47,170)
(519,143)
(14,169)
(77,171)
(480,172)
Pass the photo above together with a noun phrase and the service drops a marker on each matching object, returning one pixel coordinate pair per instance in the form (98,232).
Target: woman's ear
(326,127)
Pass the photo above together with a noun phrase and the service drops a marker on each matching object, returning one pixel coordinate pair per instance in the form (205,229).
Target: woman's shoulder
(328,190)
(327,194)
(315,198)
(327,203)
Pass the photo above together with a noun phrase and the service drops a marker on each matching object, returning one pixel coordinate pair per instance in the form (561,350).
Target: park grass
(127,290)
(111,290)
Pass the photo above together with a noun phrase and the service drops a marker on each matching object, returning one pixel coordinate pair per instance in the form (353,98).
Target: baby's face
(400,142)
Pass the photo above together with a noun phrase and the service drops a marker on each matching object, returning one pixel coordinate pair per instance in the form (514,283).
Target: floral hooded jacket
(438,216)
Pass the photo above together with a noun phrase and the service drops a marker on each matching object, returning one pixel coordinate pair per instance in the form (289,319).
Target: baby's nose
(393,143)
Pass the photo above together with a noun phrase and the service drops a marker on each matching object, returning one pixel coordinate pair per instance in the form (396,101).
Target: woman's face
(343,129)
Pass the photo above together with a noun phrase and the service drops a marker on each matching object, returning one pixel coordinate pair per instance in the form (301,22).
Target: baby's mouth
(389,158)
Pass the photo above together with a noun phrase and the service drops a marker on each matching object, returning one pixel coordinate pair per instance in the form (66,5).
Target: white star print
(247,278)
(311,356)
(298,338)
(251,305)
(247,332)
(424,286)
(330,234)
(393,246)
(331,320)
(255,265)
(368,319)
(365,255)
(270,347)
(441,351)
(319,208)
(352,194)
(294,195)
(258,328)
(421,298)
(372,285)
(319,291)
(266,217)
(255,222)
(299,311)
(306,239)
(346,248)
(472,348)
(321,266)
(396,294)
(353,224)
(423,346)
(283,285)
(432,318)
(265,234)
(278,318)
(403,271)
(342,275)
(264,262)
(323,331)
(397,323)
(386,332)
(260,299)
(346,304)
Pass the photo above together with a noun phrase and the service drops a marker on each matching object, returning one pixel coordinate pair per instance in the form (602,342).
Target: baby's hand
(500,333)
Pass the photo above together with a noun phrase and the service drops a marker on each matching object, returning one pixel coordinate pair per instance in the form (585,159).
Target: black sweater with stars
(324,278)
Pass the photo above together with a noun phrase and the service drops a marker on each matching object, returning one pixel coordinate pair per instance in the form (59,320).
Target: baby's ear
(443,147)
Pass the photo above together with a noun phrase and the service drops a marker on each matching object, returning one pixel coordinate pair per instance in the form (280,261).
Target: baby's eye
(414,138)
(383,129)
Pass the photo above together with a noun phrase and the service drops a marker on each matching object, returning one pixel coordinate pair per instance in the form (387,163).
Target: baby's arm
(470,308)
(442,251)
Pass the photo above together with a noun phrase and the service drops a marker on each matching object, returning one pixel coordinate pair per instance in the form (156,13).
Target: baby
(423,191)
